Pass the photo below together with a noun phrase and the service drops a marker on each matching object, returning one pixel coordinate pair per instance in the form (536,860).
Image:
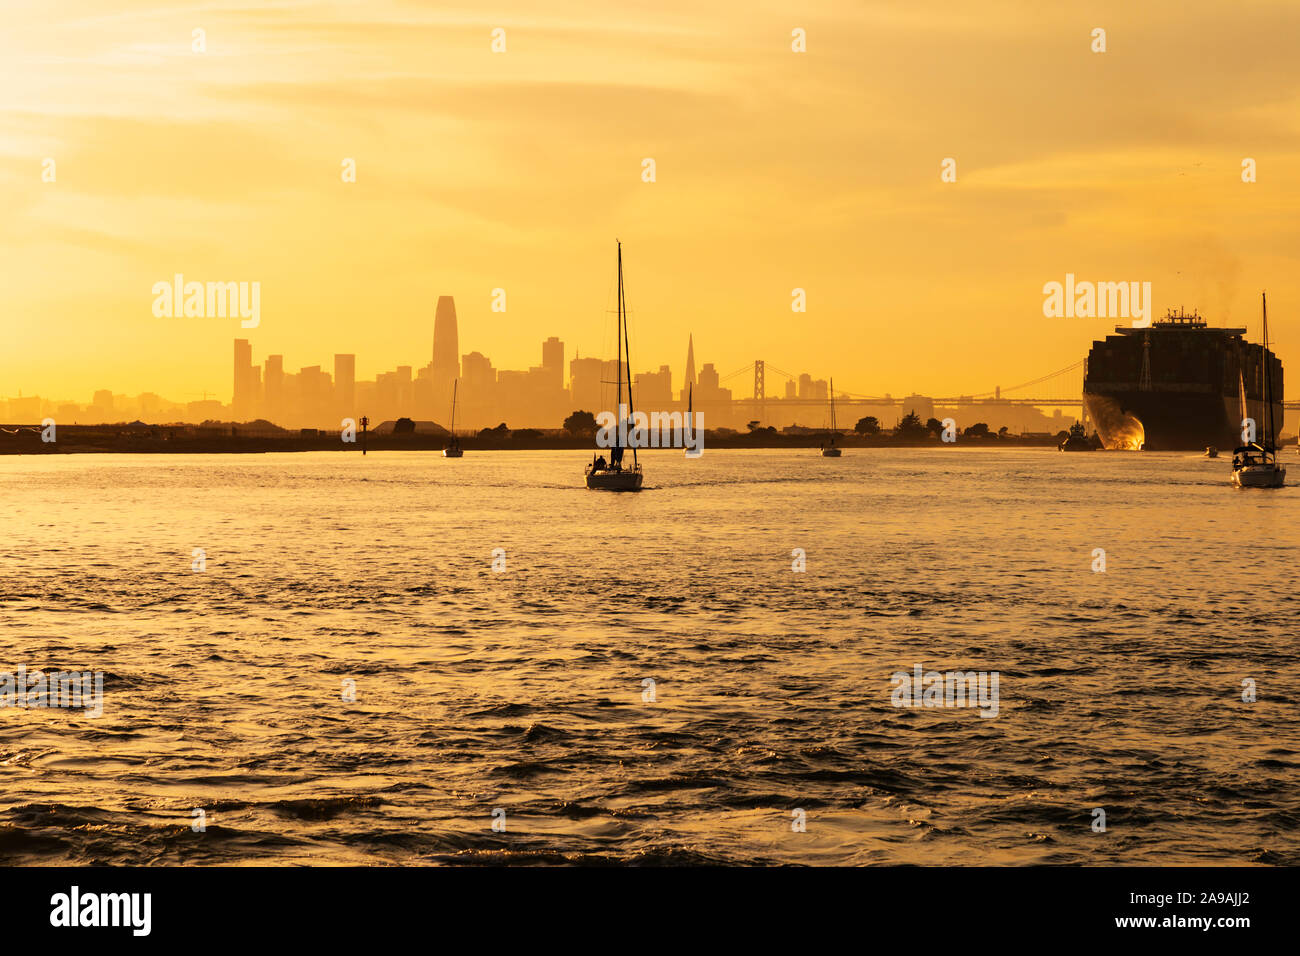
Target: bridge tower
(759,390)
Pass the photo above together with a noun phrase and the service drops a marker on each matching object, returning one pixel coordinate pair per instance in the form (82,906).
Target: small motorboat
(1211,451)
(1076,440)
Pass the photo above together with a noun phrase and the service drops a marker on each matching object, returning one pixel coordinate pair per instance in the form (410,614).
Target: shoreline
(434,445)
(163,440)
(95,439)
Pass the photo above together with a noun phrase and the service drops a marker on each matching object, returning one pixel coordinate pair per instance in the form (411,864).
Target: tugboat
(1255,465)
(612,475)
(1077,440)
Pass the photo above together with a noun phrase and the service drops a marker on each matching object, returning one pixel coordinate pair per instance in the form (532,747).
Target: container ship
(1177,385)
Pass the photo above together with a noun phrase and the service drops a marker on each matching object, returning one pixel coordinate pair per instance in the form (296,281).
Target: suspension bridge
(1060,389)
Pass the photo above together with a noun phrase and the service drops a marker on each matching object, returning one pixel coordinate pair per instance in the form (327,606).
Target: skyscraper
(245,392)
(345,383)
(553,362)
(446,347)
(690,368)
(273,405)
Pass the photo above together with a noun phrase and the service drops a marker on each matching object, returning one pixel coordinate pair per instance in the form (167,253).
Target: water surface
(522,690)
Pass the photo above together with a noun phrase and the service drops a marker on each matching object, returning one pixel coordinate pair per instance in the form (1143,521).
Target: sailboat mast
(627,349)
(618,336)
(454,386)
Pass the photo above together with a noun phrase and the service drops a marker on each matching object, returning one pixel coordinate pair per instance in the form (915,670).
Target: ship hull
(1165,421)
(1181,386)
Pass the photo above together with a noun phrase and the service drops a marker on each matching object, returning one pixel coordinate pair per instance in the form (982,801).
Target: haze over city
(478,171)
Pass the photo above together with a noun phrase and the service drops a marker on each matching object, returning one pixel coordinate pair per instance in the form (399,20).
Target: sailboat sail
(614,476)
(1241,381)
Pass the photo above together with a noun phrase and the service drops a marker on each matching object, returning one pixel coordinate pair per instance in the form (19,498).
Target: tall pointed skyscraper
(690,368)
(446,347)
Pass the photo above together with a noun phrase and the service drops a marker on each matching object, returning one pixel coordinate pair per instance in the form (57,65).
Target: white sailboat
(828,448)
(453,449)
(613,475)
(1255,465)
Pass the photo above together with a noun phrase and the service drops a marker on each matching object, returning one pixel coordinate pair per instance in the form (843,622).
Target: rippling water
(522,689)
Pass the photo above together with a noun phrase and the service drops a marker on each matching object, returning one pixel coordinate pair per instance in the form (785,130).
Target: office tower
(654,390)
(345,386)
(315,397)
(446,347)
(553,362)
(478,392)
(477,372)
(422,389)
(405,390)
(101,407)
(921,406)
(273,404)
(149,403)
(243,402)
(584,384)
(690,369)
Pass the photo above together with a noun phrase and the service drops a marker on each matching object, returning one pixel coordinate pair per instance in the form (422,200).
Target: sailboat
(828,449)
(613,475)
(690,418)
(453,449)
(1255,465)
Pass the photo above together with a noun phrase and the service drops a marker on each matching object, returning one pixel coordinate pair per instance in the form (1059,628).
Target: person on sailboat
(598,464)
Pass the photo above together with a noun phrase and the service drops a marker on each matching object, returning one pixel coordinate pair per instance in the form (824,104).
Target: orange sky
(479,170)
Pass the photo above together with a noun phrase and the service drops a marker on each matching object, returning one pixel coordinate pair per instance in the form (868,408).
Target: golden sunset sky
(775,170)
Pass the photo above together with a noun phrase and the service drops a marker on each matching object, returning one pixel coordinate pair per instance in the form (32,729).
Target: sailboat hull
(831,453)
(1259,476)
(618,480)
(452,453)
